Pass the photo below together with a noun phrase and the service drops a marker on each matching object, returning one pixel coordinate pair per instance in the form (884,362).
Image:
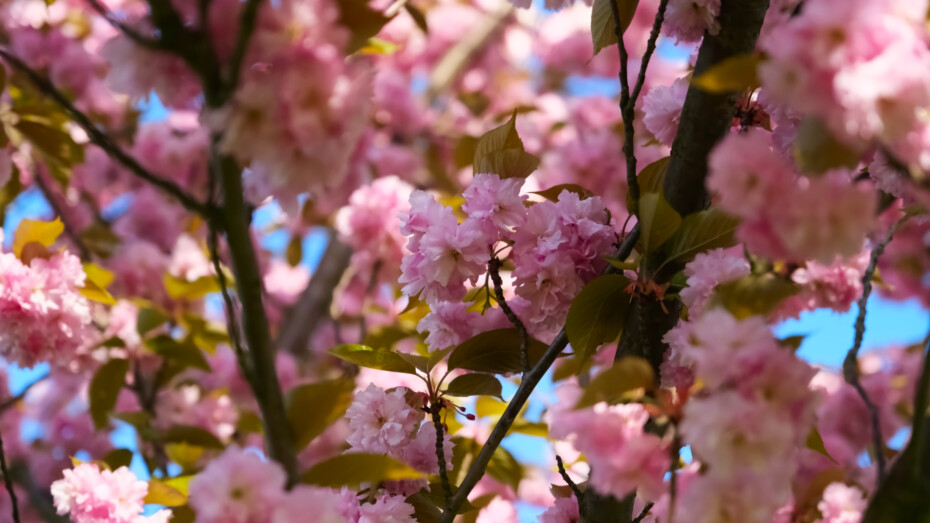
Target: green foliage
(362,21)
(627,374)
(171,492)
(603,25)
(701,232)
(500,151)
(552,193)
(313,407)
(356,468)
(474,385)
(179,288)
(733,74)
(650,179)
(496,352)
(755,294)
(117,458)
(816,150)
(185,354)
(658,221)
(815,442)
(380,359)
(190,435)
(104,390)
(597,314)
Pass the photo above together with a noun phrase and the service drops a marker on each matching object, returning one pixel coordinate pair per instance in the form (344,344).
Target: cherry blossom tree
(323,259)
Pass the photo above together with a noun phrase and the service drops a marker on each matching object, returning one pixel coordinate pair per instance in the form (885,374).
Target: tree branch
(313,305)
(494,271)
(529,382)
(435,406)
(851,363)
(8,481)
(100,139)
(246,28)
(255,321)
(579,495)
(706,117)
(131,33)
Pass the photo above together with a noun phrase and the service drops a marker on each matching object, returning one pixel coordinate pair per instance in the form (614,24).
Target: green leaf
(54,143)
(792,342)
(104,390)
(138,419)
(627,374)
(295,250)
(117,458)
(192,436)
(34,231)
(438,355)
(474,385)
(149,319)
(420,362)
(179,288)
(418,17)
(355,468)
(603,26)
(815,443)
(755,294)
(170,492)
(650,179)
(505,468)
(377,46)
(816,150)
(362,21)
(486,406)
(380,359)
(96,282)
(496,352)
(701,232)
(902,495)
(658,221)
(552,193)
(597,314)
(500,151)
(187,354)
(530,428)
(733,74)
(313,407)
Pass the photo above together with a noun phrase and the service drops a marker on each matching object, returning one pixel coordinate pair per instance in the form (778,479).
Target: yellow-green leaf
(313,407)
(505,468)
(487,406)
(733,74)
(150,318)
(552,193)
(816,150)
(496,351)
(95,285)
(169,493)
(603,25)
(658,221)
(94,292)
(191,435)
(597,314)
(186,354)
(34,231)
(474,385)
(104,390)
(356,468)
(361,20)
(815,443)
(627,374)
(500,151)
(54,143)
(377,46)
(701,232)
(756,294)
(295,250)
(179,288)
(372,358)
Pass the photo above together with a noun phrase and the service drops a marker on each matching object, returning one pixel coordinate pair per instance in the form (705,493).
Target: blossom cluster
(91,495)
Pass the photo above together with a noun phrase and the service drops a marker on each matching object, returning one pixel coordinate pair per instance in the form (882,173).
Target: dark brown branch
(8,481)
(435,407)
(579,495)
(19,397)
(246,28)
(100,139)
(494,271)
(312,308)
(131,33)
(851,363)
(529,382)
(706,117)
(645,512)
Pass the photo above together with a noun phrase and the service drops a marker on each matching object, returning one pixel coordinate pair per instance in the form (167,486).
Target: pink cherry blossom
(564,510)
(841,504)
(662,107)
(381,421)
(237,487)
(706,271)
(90,495)
(386,509)
(687,20)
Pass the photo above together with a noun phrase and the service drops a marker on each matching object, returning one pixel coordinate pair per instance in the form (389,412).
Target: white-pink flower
(90,495)
(237,487)
(381,422)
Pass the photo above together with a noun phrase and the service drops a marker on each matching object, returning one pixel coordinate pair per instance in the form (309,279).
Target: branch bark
(312,308)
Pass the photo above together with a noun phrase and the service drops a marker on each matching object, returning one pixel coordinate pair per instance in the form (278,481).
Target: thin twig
(628,98)
(8,481)
(131,33)
(100,139)
(494,271)
(246,28)
(673,474)
(645,512)
(19,397)
(851,363)
(529,382)
(440,450)
(579,495)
